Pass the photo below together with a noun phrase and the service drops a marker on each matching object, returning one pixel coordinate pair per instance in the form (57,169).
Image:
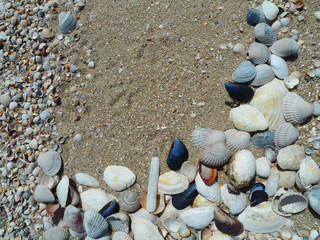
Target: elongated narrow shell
(95,199)
(268,100)
(270,10)
(95,225)
(63,190)
(258,53)
(143,229)
(87,180)
(264,75)
(118,178)
(286,134)
(153,184)
(129,201)
(67,22)
(292,202)
(215,155)
(265,34)
(73,218)
(121,236)
(227,224)
(290,157)
(309,172)
(261,219)
(50,162)
(295,109)
(43,194)
(172,183)
(272,183)
(202,137)
(56,233)
(235,202)
(244,73)
(211,192)
(237,140)
(279,66)
(285,47)
(263,166)
(189,170)
(197,218)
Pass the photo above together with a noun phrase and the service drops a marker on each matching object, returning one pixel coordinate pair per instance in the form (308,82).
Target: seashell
(237,140)
(73,218)
(291,82)
(58,215)
(119,222)
(176,227)
(285,233)
(160,203)
(286,134)
(275,202)
(272,183)
(189,170)
(258,53)
(129,201)
(263,166)
(118,178)
(270,10)
(235,202)
(287,179)
(202,137)
(258,197)
(74,196)
(242,168)
(316,108)
(95,199)
(197,218)
(47,33)
(106,237)
(169,212)
(143,229)
(172,183)
(121,236)
(109,209)
(153,184)
(279,66)
(211,193)
(240,92)
(244,73)
(314,198)
(52,207)
(184,199)
(43,194)
(227,224)
(143,213)
(262,139)
(63,190)
(309,172)
(95,225)
(261,219)
(265,34)
(177,155)
(50,162)
(215,155)
(67,22)
(247,118)
(48,181)
(292,202)
(56,233)
(256,187)
(264,75)
(286,47)
(201,201)
(253,17)
(87,180)
(290,157)
(295,109)
(207,174)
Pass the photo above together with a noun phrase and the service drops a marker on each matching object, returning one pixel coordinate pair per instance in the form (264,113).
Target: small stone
(13,106)
(317,15)
(284,21)
(33,144)
(13,57)
(78,138)
(239,48)
(73,68)
(5,99)
(317,73)
(91,64)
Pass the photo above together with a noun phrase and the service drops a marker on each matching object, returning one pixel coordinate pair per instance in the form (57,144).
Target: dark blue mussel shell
(109,209)
(184,199)
(257,197)
(262,139)
(242,93)
(177,155)
(253,17)
(255,187)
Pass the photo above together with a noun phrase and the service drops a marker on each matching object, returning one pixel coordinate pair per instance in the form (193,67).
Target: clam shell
(292,202)
(262,139)
(143,213)
(67,22)
(56,233)
(290,157)
(73,218)
(189,170)
(235,202)
(119,222)
(176,227)
(268,100)
(263,166)
(270,10)
(129,201)
(253,17)
(172,183)
(201,201)
(207,174)
(244,73)
(309,172)
(265,34)
(291,82)
(272,183)
(160,203)
(261,219)
(95,225)
(287,179)
(279,66)
(202,137)
(95,199)
(63,190)
(43,194)
(286,134)
(50,162)
(258,53)
(237,140)
(197,218)
(121,236)
(153,184)
(242,168)
(48,181)
(247,118)
(295,109)
(286,47)
(227,224)
(118,178)
(264,75)
(314,198)
(143,229)
(211,192)
(215,155)
(87,180)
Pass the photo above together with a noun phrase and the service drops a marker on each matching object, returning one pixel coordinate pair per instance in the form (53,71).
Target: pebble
(13,57)
(73,68)
(91,64)
(13,106)
(239,48)
(5,99)
(78,138)
(317,15)
(285,21)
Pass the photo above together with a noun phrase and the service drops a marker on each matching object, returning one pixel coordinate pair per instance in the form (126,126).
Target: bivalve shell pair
(264,75)
(286,47)
(290,157)
(308,174)
(235,202)
(286,134)
(258,53)
(265,34)
(95,225)
(279,66)
(67,22)
(244,73)
(50,162)
(118,178)
(237,140)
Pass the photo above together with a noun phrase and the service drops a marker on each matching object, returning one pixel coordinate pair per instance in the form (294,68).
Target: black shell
(253,17)
(184,199)
(240,92)
(177,155)
(109,209)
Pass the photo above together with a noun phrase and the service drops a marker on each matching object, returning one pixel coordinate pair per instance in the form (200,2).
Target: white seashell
(56,233)
(43,194)
(291,82)
(143,213)
(287,179)
(202,137)
(87,180)
(247,118)
(67,22)
(176,228)
(292,202)
(197,218)
(261,219)
(272,183)
(118,178)
(96,225)
(215,155)
(279,66)
(211,193)
(238,48)
(121,236)
(270,10)
(201,201)
(309,172)
(295,109)
(143,229)
(264,75)
(285,47)
(63,190)
(172,183)
(235,202)
(275,202)
(290,157)
(265,34)
(242,168)
(153,185)
(169,212)
(285,233)
(286,134)
(263,166)
(258,53)
(107,237)
(50,162)
(237,140)
(73,218)
(95,199)
(119,222)
(217,235)
(189,170)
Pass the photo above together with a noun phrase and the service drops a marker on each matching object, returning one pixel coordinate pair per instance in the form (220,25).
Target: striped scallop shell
(295,109)
(279,66)
(119,222)
(56,233)
(264,75)
(309,172)
(50,162)
(237,140)
(215,155)
(95,225)
(265,34)
(286,134)
(258,53)
(235,202)
(285,47)
(263,167)
(73,218)
(43,194)
(202,137)
(270,10)
(67,22)
(121,236)
(129,201)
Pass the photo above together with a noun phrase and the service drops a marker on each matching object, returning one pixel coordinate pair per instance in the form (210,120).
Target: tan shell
(263,166)
(202,137)
(47,33)
(50,162)
(287,179)
(286,134)
(237,140)
(290,157)
(215,155)
(172,183)
(189,170)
